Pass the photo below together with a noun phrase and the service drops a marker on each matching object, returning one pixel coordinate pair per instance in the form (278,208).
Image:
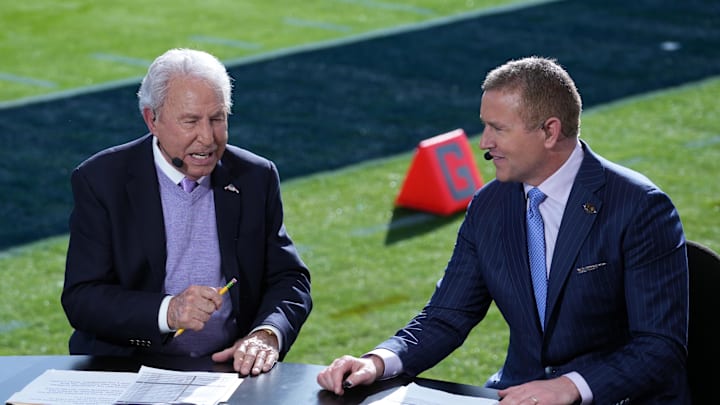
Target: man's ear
(149,117)
(553,131)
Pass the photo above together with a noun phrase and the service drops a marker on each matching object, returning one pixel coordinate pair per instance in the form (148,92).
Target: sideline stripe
(26,80)
(225,41)
(390,6)
(316,24)
(126,60)
(288,51)
(703,143)
(11,326)
(379,33)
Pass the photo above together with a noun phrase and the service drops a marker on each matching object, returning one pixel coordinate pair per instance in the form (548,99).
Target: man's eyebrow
(188,115)
(490,123)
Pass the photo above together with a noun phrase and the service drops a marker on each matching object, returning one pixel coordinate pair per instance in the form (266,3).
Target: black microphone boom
(487,156)
(176,161)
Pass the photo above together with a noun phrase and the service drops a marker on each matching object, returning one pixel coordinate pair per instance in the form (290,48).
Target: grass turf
(371,273)
(373,266)
(49,46)
(327,107)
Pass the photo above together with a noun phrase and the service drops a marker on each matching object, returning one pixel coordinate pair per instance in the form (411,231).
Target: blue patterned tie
(536,251)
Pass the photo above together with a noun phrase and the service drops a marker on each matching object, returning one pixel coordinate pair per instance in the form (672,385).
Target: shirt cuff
(162,315)
(586,394)
(393,364)
(274,330)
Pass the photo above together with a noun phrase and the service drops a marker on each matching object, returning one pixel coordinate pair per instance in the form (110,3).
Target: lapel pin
(589,208)
(231,187)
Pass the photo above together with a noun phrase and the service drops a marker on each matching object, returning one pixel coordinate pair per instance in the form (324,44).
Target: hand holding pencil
(221,292)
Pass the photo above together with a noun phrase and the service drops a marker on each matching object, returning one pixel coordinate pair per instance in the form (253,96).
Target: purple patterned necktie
(188,185)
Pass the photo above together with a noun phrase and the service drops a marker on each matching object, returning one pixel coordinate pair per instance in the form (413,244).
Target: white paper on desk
(157,386)
(74,387)
(414,394)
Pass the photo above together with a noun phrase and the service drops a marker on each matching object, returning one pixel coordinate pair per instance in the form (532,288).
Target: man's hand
(558,391)
(193,307)
(253,354)
(349,371)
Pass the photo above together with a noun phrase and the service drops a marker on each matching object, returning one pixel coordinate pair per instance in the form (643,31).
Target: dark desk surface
(287,383)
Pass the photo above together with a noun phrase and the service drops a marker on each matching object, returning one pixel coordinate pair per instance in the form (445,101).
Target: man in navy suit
(147,257)
(610,325)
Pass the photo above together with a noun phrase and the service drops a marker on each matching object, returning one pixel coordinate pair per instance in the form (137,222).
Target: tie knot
(188,185)
(536,197)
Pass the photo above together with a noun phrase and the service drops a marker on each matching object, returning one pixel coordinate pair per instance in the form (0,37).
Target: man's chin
(501,177)
(200,172)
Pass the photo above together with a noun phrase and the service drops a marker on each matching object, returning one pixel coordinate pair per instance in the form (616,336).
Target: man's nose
(485,140)
(205,133)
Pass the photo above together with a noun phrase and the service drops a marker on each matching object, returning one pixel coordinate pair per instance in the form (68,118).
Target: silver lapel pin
(231,187)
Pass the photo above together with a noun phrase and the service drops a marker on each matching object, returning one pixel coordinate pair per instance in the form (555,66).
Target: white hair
(183,62)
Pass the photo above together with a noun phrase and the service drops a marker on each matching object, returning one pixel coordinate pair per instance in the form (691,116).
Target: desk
(287,383)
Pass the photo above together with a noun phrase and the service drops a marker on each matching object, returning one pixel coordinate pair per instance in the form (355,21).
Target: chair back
(703,344)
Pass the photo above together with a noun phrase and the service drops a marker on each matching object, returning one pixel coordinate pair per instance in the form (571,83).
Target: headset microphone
(487,156)
(176,161)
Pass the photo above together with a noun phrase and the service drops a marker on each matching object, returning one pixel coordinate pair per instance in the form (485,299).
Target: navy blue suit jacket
(617,304)
(116,257)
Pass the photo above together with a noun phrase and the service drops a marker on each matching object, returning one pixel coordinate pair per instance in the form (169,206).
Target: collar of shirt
(557,189)
(169,170)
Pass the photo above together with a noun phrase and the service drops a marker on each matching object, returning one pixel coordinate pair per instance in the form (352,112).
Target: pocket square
(591,267)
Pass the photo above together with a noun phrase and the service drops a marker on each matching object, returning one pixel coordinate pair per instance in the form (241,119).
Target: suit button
(550,371)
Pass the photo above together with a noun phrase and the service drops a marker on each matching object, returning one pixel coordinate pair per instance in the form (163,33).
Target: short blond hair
(546,90)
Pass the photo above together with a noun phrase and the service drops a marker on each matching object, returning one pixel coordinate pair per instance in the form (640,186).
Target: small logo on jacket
(591,267)
(231,187)
(589,208)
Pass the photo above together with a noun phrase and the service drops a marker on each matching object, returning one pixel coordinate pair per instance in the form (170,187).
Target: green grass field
(365,288)
(49,47)
(370,274)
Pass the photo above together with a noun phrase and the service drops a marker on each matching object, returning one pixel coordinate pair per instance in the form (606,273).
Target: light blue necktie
(536,251)
(188,185)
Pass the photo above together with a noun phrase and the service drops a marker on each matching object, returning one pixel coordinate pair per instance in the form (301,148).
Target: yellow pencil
(221,292)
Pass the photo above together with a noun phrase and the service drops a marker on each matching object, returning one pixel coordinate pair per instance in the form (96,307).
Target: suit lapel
(227,192)
(578,218)
(144,196)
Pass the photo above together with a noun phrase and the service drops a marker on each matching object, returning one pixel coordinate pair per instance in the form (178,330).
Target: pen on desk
(221,292)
